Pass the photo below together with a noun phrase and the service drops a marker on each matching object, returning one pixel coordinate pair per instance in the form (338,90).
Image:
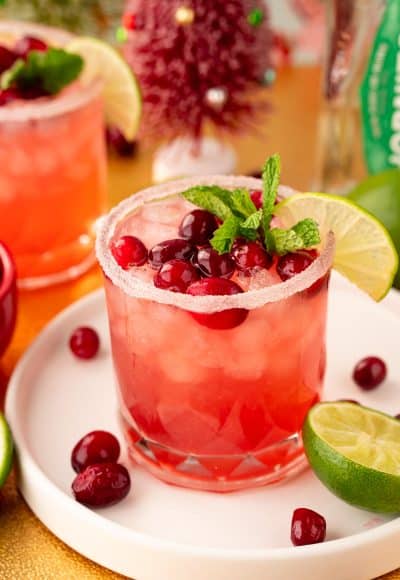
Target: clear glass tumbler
(212,409)
(53,174)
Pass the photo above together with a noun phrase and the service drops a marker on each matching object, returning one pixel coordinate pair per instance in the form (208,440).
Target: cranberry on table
(198,226)
(117,142)
(293,263)
(308,527)
(176,249)
(369,372)
(257,198)
(27,44)
(226,319)
(95,447)
(9,95)
(129,251)
(176,275)
(84,342)
(212,264)
(101,484)
(7,58)
(250,256)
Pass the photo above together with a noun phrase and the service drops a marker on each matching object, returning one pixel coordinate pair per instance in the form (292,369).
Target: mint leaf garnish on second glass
(51,71)
(241,219)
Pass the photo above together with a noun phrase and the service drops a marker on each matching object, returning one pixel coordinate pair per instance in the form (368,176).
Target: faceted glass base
(217,473)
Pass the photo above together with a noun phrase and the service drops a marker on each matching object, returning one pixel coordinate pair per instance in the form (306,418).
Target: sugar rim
(133,286)
(46,107)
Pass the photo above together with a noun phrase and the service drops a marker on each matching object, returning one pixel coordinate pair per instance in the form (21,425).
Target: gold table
(28,551)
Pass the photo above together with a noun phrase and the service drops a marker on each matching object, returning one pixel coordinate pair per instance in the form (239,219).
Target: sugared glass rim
(46,107)
(135,287)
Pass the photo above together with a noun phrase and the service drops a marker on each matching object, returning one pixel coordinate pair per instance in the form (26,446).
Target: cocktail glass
(216,410)
(53,174)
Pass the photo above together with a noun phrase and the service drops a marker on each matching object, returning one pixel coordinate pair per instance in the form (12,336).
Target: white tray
(165,533)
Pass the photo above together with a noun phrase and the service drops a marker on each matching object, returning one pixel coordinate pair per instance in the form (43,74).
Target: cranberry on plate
(101,484)
(95,447)
(84,342)
(308,527)
(369,372)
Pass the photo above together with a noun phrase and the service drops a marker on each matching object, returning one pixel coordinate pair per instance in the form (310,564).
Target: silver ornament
(216,97)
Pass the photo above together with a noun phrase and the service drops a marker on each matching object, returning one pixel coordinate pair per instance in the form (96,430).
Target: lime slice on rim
(6,450)
(364,253)
(355,452)
(123,102)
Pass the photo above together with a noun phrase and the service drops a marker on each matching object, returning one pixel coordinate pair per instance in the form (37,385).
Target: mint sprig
(241,219)
(51,71)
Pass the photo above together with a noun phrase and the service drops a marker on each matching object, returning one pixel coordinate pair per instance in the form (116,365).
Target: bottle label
(380,95)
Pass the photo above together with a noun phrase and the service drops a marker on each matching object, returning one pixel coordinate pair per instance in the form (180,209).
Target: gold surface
(28,551)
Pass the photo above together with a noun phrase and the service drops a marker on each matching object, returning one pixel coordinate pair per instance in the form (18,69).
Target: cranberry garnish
(292,264)
(369,372)
(117,142)
(257,198)
(218,287)
(129,251)
(308,527)
(8,95)
(198,226)
(84,342)
(95,447)
(26,44)
(212,264)
(176,275)
(101,484)
(176,249)
(250,256)
(7,58)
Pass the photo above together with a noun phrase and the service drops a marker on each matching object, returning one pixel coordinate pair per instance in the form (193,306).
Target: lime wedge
(6,450)
(355,452)
(123,102)
(365,253)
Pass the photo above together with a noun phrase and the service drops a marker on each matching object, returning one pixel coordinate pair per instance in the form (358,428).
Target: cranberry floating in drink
(217,360)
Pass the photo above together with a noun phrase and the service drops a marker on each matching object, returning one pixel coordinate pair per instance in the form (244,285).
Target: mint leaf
(303,235)
(271,176)
(211,198)
(241,203)
(253,221)
(51,71)
(225,235)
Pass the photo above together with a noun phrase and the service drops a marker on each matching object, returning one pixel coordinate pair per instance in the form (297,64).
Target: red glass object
(8,297)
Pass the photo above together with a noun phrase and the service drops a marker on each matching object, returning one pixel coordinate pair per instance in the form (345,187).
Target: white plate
(165,533)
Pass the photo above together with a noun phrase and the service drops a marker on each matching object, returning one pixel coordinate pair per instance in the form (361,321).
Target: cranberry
(95,447)
(250,256)
(397,417)
(292,264)
(176,249)
(117,142)
(198,226)
(84,342)
(218,287)
(176,275)
(257,198)
(129,251)
(308,527)
(7,58)
(101,484)
(27,44)
(212,264)
(369,372)
(9,95)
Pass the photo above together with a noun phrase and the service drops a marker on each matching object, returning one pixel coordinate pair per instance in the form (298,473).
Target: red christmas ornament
(198,61)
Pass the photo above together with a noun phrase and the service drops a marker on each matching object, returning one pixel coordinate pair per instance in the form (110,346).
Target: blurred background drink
(53,173)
